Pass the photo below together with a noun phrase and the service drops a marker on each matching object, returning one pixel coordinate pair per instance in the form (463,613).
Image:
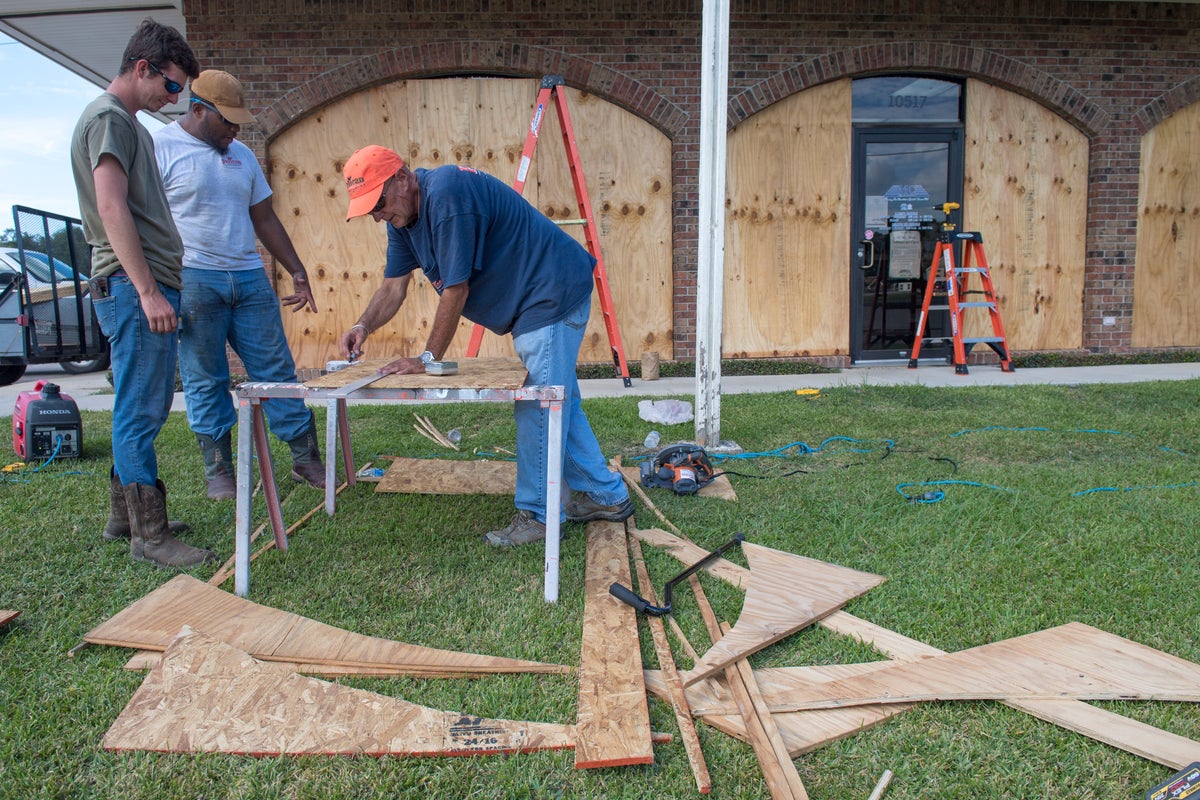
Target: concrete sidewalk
(92,392)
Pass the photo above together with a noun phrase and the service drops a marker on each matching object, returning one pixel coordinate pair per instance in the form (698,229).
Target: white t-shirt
(210,196)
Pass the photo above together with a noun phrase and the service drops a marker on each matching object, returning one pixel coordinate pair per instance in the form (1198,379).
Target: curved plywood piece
(786,593)
(273,635)
(206,696)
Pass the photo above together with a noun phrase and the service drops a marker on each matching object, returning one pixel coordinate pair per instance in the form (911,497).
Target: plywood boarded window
(787,230)
(1166,280)
(1026,192)
(479,122)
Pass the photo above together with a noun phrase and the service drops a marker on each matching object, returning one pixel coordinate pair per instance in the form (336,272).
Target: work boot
(218,466)
(307,466)
(582,508)
(117,527)
(523,529)
(150,540)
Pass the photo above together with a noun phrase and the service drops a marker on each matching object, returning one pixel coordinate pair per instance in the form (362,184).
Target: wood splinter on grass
(881,787)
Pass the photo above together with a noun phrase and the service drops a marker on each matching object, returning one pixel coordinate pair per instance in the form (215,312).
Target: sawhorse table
(481,380)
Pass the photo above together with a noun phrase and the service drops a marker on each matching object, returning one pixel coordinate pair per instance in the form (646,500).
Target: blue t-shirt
(522,271)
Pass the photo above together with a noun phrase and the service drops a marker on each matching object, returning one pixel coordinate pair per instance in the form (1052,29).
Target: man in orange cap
(221,202)
(494,259)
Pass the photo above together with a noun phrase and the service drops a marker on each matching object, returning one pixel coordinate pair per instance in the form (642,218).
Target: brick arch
(1175,99)
(474,57)
(948,59)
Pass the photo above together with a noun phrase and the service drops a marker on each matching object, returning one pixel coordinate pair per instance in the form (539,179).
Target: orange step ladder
(554,86)
(956,279)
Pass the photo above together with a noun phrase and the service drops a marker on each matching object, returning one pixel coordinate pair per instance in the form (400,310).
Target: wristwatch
(427,357)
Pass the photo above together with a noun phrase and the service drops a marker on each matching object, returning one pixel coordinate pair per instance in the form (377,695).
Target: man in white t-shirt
(221,202)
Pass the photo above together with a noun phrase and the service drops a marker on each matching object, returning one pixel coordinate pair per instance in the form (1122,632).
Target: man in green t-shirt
(137,258)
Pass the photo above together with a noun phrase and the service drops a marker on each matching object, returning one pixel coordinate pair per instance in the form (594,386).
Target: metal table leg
(553,498)
(241,539)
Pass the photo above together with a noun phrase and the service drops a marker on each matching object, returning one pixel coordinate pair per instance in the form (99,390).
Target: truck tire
(11,373)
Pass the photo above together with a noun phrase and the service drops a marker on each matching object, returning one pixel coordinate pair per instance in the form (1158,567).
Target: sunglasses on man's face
(171,86)
(214,109)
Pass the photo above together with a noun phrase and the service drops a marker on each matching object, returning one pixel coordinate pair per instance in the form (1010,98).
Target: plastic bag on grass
(665,412)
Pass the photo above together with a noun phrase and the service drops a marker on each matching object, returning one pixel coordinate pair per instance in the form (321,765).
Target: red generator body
(46,424)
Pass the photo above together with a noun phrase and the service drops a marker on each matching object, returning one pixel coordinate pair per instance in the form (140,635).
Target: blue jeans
(550,355)
(241,308)
(143,368)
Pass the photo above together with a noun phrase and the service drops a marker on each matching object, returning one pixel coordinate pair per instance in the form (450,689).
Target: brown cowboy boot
(117,527)
(307,466)
(218,466)
(150,540)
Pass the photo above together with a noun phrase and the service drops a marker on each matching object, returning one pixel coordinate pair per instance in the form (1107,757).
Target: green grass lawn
(1011,540)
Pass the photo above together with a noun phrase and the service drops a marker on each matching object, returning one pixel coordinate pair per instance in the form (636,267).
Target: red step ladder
(554,86)
(956,280)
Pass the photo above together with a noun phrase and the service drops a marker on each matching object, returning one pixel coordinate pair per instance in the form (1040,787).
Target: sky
(39,104)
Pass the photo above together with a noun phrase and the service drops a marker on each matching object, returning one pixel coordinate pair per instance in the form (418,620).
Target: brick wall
(1112,69)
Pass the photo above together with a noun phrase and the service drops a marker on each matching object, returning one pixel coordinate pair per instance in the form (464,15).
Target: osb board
(1026,186)
(613,724)
(473,373)
(273,635)
(787,230)
(441,476)
(478,122)
(1071,661)
(207,696)
(1166,278)
(786,592)
(719,487)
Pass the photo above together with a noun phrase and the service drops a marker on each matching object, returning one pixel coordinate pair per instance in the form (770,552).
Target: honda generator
(46,424)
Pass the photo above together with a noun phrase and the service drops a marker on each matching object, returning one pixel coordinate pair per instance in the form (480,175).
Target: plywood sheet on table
(443,476)
(613,725)
(206,696)
(473,373)
(273,635)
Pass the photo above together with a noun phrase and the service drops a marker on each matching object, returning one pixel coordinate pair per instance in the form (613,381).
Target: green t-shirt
(107,128)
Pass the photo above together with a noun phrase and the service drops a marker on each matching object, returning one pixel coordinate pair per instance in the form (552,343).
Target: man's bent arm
(273,235)
(112,192)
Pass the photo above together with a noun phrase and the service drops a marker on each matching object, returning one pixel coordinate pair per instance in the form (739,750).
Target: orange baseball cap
(366,172)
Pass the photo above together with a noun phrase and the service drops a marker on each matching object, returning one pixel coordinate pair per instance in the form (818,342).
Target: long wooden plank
(273,635)
(206,696)
(613,724)
(442,476)
(1113,729)
(675,691)
(786,593)
(1071,661)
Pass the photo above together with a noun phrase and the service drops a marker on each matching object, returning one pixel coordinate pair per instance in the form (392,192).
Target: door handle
(866,254)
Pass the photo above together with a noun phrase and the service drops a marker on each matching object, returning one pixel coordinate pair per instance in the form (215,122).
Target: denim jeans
(550,355)
(241,308)
(143,368)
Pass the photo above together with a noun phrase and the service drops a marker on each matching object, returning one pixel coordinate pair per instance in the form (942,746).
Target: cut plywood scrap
(802,731)
(273,635)
(440,476)
(207,696)
(8,615)
(1072,661)
(1113,729)
(776,763)
(786,593)
(473,373)
(690,553)
(719,487)
(1143,740)
(613,725)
